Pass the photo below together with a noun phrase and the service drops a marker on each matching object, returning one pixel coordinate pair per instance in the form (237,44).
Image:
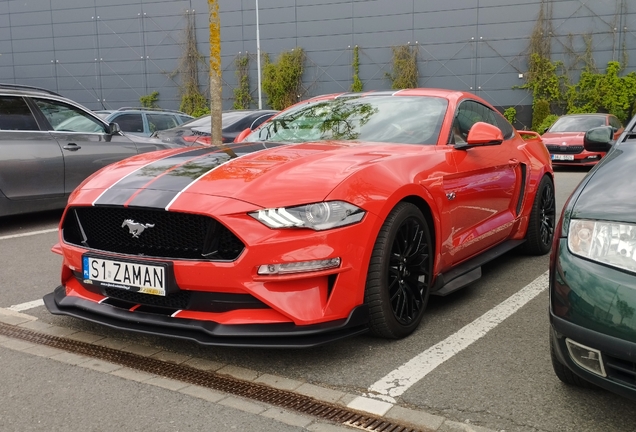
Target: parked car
(50,144)
(593,272)
(338,216)
(144,121)
(564,139)
(197,132)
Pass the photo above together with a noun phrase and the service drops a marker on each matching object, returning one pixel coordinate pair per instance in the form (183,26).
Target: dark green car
(593,272)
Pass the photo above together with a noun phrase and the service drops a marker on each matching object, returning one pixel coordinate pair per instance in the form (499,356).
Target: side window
(130,123)
(63,117)
(161,122)
(183,119)
(16,115)
(506,128)
(469,113)
(615,123)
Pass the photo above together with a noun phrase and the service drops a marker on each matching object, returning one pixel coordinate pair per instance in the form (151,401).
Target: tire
(563,372)
(542,220)
(400,273)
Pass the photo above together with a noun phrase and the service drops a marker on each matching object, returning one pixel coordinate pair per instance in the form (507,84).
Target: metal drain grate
(259,392)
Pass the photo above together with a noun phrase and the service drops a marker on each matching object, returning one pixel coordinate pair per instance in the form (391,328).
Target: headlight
(318,216)
(611,243)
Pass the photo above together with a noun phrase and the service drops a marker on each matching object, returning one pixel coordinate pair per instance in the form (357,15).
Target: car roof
(452,95)
(20,89)
(150,110)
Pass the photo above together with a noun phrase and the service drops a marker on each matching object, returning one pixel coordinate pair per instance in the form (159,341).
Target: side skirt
(469,271)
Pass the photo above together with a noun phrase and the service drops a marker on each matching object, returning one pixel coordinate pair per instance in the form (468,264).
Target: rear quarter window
(16,115)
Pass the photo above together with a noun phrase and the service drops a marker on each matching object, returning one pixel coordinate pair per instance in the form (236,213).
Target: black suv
(49,144)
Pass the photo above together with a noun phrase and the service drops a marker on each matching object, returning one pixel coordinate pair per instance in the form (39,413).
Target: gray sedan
(50,144)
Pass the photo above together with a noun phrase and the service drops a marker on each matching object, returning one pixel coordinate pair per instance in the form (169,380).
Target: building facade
(109,53)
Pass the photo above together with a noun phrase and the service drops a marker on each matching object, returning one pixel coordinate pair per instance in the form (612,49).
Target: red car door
(482,196)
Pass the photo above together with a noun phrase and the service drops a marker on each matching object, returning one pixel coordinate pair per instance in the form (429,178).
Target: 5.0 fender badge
(135,228)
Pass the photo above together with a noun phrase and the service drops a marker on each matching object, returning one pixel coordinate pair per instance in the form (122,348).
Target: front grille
(173,236)
(620,370)
(557,149)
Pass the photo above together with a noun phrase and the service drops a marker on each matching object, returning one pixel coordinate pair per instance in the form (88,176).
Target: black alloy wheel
(542,220)
(400,273)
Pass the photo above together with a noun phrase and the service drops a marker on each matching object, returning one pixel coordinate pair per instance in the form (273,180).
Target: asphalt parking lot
(480,358)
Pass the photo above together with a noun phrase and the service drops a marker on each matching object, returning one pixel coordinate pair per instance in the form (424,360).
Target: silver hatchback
(49,144)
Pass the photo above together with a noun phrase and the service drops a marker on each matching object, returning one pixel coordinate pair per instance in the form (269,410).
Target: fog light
(299,267)
(586,357)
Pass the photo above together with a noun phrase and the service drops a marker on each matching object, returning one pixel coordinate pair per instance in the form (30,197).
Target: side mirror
(242,135)
(113,128)
(482,134)
(598,139)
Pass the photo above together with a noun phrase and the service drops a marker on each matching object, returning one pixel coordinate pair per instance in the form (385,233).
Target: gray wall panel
(321,13)
(460,43)
(29,47)
(19,6)
(28,72)
(6,73)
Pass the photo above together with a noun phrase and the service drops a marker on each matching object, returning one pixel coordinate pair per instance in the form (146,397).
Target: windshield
(394,119)
(577,124)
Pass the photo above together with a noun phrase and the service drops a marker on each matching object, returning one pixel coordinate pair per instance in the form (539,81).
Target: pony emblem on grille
(136,228)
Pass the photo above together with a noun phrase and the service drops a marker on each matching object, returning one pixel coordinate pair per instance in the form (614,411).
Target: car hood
(609,192)
(263,174)
(563,138)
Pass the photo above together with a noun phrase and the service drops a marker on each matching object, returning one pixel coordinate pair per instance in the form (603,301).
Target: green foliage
(608,92)
(546,123)
(193,102)
(242,95)
(540,110)
(510,114)
(544,80)
(405,73)
(356,86)
(150,101)
(282,80)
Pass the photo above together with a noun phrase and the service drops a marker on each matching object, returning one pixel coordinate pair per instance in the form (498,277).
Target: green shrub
(242,95)
(510,114)
(193,102)
(282,81)
(150,101)
(546,123)
(405,73)
(540,110)
(356,86)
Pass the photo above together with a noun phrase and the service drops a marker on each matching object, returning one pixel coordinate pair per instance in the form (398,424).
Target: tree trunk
(216,88)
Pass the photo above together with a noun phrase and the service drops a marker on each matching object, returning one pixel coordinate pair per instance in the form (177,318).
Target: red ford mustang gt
(340,215)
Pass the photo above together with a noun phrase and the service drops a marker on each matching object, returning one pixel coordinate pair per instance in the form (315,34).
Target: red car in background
(340,215)
(564,139)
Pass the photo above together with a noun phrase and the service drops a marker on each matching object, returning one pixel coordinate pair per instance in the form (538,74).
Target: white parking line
(400,380)
(26,306)
(26,234)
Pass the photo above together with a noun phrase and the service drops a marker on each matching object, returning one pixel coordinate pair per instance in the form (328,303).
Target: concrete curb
(416,418)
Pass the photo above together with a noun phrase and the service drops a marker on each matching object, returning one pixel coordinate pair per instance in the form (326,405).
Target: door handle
(72,147)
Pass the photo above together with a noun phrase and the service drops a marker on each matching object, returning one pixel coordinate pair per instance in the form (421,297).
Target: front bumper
(589,304)
(618,356)
(276,335)
(580,159)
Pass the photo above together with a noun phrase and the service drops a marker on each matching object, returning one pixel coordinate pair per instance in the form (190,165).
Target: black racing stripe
(160,192)
(122,191)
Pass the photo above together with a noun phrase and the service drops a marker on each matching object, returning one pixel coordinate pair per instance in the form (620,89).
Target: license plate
(563,157)
(129,276)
